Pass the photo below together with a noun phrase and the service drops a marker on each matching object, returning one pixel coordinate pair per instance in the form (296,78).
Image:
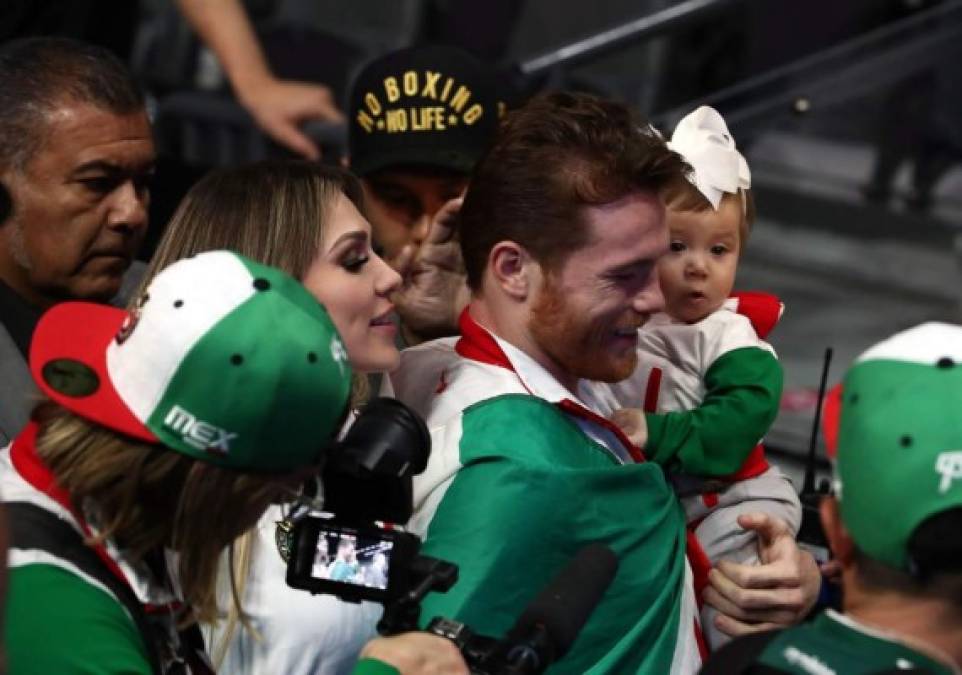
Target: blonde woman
(307,220)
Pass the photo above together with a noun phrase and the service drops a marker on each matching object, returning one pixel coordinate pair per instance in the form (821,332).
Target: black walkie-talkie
(811,536)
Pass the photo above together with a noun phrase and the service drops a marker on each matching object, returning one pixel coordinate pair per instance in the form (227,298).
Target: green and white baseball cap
(225,360)
(894,428)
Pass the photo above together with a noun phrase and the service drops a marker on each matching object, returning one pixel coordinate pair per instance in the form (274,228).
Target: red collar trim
(478,344)
(23,455)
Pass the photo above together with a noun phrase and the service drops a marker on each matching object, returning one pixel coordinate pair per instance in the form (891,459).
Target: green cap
(894,430)
(226,360)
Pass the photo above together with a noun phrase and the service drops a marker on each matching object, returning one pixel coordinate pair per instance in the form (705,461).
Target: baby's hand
(632,422)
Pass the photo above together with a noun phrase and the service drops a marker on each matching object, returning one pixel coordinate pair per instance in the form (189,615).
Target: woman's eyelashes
(354,261)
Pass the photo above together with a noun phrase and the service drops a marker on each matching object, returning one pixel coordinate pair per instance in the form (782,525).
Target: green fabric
(297,396)
(58,623)
(742,390)
(532,491)
(829,646)
(374,667)
(899,456)
(292,290)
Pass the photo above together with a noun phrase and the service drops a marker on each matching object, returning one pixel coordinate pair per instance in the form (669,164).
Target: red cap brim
(68,360)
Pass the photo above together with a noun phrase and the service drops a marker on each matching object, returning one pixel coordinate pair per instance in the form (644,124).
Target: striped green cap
(895,431)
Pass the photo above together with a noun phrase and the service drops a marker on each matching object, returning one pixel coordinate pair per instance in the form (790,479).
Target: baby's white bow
(702,138)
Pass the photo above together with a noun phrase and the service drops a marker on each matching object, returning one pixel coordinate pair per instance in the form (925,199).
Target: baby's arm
(742,391)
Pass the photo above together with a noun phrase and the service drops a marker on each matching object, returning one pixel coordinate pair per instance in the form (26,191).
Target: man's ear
(511,267)
(839,540)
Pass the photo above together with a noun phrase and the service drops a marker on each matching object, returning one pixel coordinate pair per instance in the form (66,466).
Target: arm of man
(278,106)
(742,391)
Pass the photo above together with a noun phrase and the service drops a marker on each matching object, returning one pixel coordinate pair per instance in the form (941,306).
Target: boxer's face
(585,320)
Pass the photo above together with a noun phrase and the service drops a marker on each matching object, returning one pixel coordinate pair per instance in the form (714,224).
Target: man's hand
(280,106)
(434,288)
(417,654)
(776,593)
(632,422)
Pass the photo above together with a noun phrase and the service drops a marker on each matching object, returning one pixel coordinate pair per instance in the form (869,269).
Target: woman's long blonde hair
(147,497)
(274,212)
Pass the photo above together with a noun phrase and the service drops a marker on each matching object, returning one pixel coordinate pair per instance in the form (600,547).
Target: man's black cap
(430,105)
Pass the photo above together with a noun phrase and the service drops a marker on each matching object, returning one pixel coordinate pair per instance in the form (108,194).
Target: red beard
(581,345)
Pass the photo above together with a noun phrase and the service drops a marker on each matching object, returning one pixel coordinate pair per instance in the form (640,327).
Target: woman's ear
(511,268)
(839,540)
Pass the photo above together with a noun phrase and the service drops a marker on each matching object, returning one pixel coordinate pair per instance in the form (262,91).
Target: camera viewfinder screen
(352,559)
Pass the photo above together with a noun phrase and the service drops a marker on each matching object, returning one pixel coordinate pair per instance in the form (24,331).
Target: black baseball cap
(428,105)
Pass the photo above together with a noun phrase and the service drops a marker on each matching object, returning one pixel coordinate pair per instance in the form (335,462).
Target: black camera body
(350,554)
(483,654)
(367,474)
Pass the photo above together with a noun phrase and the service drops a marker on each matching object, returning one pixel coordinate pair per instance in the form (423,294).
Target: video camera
(354,555)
